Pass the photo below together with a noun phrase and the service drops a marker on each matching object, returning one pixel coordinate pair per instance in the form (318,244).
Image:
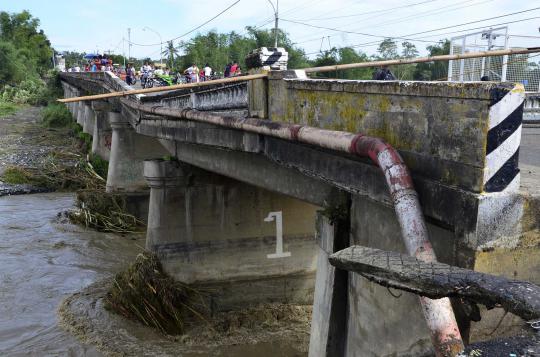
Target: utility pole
(124,50)
(276,9)
(129,43)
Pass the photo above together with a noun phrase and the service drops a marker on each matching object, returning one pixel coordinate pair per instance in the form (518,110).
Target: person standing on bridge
(130,74)
(383,74)
(234,67)
(207,72)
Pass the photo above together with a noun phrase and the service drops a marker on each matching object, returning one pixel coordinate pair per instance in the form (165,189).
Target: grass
(101,166)
(56,115)
(144,292)
(56,175)
(7,108)
(16,176)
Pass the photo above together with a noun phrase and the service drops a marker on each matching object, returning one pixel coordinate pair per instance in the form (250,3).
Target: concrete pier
(102,134)
(128,152)
(247,245)
(89,119)
(80,113)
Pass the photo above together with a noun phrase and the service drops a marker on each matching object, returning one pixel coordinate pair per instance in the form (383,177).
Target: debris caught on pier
(144,292)
(104,212)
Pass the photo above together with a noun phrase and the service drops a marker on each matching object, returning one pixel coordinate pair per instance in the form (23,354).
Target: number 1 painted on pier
(278,217)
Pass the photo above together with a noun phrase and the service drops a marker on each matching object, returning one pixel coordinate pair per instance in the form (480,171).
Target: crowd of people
(194,74)
(163,74)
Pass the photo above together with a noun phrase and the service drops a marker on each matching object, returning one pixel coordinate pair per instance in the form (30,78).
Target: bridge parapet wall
(457,133)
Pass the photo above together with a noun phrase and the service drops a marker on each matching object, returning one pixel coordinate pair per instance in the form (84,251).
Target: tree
(408,50)
(431,71)
(343,55)
(387,49)
(170,52)
(218,49)
(21,29)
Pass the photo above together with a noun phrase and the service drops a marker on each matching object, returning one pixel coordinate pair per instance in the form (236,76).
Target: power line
(192,30)
(474,22)
(442,28)
(345,31)
(366,13)
(366,44)
(425,13)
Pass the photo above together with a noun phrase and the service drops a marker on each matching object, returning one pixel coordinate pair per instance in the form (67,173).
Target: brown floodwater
(42,262)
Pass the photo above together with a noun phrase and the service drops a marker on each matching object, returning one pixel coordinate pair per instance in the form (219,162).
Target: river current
(43,261)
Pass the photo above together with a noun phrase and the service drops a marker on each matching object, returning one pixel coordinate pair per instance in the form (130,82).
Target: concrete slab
(529,158)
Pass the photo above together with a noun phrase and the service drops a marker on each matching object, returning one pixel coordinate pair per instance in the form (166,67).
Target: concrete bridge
(255,216)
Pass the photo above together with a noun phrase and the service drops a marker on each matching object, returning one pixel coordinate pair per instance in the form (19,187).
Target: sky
(102,25)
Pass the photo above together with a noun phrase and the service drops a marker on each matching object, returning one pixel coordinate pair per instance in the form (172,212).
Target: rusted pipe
(438,313)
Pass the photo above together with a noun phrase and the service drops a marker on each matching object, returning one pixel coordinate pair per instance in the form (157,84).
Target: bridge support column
(73,106)
(329,319)
(128,152)
(102,132)
(80,113)
(168,181)
(89,119)
(244,244)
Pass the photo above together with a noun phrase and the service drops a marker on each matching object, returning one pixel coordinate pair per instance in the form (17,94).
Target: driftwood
(437,280)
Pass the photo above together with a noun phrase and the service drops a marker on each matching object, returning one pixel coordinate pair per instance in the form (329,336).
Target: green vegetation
(144,292)
(86,140)
(25,58)
(56,115)
(16,176)
(100,166)
(7,108)
(56,174)
(218,49)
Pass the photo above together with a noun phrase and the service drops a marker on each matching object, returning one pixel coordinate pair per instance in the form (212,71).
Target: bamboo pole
(307,70)
(163,89)
(422,59)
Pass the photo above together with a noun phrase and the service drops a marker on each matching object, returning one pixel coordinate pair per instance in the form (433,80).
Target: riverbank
(61,264)
(26,144)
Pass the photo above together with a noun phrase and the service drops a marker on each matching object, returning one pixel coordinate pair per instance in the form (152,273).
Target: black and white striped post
(501,171)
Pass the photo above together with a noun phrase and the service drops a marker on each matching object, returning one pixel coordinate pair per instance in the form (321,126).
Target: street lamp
(276,9)
(160,43)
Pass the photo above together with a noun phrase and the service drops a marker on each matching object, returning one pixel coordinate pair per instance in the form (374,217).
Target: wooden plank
(437,280)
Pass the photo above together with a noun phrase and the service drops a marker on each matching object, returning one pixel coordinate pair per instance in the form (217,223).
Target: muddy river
(45,260)
(42,261)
